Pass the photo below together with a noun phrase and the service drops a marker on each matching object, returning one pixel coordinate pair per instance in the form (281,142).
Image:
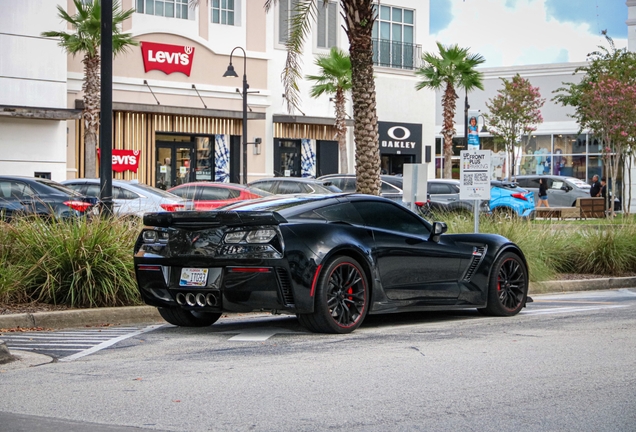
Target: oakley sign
(400,138)
(167,58)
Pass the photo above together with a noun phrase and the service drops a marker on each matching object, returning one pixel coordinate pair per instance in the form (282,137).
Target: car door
(11,202)
(126,202)
(558,193)
(410,266)
(442,196)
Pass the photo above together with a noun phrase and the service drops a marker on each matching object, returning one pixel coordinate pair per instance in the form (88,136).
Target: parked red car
(210,195)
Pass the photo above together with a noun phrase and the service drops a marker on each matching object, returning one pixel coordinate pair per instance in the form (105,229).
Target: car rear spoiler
(212,219)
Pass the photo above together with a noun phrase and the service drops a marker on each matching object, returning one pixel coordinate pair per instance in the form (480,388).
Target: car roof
(449,181)
(294,179)
(213,184)
(292,205)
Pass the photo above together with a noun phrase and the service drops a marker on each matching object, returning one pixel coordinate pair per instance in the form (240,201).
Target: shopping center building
(183,120)
(176,118)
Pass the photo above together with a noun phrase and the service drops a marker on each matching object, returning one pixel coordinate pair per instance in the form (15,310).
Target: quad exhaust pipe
(198,299)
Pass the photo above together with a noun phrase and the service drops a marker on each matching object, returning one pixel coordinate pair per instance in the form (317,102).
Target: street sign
(475,175)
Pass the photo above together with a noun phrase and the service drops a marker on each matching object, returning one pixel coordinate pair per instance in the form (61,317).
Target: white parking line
(110,342)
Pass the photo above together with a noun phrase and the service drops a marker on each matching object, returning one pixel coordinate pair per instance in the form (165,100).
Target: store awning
(40,113)
(301,119)
(175,110)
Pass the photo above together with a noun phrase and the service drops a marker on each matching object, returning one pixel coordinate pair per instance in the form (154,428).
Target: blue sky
(518,32)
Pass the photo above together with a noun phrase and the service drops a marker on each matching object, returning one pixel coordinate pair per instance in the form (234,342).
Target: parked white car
(132,197)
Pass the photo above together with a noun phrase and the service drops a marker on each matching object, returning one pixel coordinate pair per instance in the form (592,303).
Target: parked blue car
(508,199)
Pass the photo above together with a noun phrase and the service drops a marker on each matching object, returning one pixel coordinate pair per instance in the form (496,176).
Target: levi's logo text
(167,58)
(124,160)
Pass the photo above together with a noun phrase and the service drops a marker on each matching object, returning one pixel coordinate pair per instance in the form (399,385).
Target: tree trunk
(359,16)
(341,130)
(90,114)
(449,102)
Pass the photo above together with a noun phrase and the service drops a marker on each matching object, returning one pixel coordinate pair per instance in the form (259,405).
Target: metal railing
(398,55)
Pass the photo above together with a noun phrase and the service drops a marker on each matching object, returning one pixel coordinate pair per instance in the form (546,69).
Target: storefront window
(595,145)
(569,144)
(203,171)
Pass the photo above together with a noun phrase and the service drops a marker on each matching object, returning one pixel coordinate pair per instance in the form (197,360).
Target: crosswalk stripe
(108,343)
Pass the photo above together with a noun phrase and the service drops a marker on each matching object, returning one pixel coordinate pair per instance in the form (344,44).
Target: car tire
(186,318)
(341,298)
(507,286)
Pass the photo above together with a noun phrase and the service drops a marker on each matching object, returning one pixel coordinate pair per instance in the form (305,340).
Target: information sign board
(474,175)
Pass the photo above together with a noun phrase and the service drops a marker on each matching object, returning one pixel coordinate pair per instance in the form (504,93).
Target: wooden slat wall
(299,131)
(136,131)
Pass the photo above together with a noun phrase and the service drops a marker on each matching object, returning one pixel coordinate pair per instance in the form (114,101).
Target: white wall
(33,74)
(32,68)
(29,146)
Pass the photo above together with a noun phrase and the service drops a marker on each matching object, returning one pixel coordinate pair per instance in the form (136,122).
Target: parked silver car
(131,197)
(562,190)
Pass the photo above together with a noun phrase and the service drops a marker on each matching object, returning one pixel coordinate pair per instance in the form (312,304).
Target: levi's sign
(167,58)
(124,160)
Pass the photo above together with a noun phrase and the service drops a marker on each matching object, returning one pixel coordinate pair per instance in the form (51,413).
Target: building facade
(181,119)
(33,103)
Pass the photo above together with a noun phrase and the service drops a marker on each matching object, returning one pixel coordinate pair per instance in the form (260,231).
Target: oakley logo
(402,133)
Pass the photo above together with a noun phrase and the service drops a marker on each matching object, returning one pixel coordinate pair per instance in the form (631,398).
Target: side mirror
(439,228)
(566,188)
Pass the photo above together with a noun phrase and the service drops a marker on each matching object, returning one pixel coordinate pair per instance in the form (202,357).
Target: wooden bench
(591,207)
(557,212)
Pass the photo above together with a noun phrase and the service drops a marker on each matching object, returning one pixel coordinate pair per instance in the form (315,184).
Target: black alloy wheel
(342,298)
(185,318)
(508,286)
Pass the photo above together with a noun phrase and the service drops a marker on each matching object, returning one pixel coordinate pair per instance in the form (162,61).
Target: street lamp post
(466,107)
(231,73)
(106,108)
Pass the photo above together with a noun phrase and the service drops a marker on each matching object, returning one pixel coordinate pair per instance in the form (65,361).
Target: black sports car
(329,259)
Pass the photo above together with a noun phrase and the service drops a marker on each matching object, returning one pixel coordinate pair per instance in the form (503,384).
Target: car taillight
(520,196)
(80,206)
(172,207)
(422,203)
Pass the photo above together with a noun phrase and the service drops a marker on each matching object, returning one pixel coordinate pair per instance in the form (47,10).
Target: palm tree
(359,18)
(86,39)
(453,68)
(335,79)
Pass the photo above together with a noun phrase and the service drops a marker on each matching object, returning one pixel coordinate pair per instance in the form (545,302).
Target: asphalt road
(567,362)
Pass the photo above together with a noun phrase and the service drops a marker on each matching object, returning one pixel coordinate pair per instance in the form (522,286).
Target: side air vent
(285,285)
(478,254)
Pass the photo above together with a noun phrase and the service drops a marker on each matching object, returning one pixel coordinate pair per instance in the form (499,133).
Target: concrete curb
(82,317)
(148,314)
(581,285)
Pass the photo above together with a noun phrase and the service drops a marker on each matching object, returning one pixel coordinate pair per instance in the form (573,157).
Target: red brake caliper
(350,291)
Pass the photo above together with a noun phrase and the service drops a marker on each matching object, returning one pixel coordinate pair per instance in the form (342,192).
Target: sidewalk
(148,314)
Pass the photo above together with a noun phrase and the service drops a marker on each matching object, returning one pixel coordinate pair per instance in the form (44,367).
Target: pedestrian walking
(543,193)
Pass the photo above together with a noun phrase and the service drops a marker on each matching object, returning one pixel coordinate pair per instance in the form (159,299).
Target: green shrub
(80,263)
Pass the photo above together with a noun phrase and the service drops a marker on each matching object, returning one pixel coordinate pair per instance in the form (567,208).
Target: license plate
(194,277)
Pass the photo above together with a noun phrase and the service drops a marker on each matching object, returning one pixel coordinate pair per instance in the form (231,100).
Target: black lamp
(230,72)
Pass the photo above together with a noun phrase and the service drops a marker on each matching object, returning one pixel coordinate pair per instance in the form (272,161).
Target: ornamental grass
(80,262)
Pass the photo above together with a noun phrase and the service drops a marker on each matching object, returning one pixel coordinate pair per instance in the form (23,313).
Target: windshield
(578,183)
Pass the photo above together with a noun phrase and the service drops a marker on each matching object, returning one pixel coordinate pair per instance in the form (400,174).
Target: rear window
(58,187)
(156,191)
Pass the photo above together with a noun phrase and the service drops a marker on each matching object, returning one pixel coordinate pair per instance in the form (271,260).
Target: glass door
(174,164)
(289,158)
